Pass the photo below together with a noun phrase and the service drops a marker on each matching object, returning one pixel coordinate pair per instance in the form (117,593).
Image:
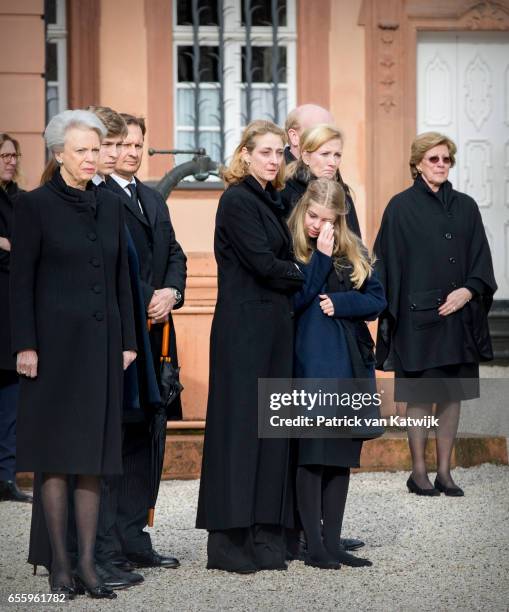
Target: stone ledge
(388,453)
(184,448)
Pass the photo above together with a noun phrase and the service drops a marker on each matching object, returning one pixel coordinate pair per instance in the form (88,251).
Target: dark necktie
(134,195)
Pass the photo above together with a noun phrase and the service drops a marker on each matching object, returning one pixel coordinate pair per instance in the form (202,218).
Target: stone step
(388,453)
(184,448)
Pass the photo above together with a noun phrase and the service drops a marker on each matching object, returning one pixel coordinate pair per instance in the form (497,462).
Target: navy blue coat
(321,349)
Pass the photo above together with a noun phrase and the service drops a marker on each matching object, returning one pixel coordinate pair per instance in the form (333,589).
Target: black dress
(428,245)
(71,302)
(244,479)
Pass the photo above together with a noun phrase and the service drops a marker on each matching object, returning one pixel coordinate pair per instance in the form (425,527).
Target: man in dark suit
(163,277)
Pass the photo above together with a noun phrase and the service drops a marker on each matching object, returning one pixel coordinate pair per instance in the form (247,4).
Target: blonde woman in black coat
(244,487)
(73,333)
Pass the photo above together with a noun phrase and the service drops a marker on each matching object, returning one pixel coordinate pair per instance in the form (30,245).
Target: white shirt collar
(122,181)
(97,179)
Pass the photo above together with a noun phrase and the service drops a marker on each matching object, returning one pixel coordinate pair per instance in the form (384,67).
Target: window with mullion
(230,70)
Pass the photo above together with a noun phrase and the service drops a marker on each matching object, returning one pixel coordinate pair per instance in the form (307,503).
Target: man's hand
(128,357)
(26,363)
(5,244)
(163,300)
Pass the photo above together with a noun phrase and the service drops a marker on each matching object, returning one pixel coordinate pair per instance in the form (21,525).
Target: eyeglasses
(7,157)
(434,159)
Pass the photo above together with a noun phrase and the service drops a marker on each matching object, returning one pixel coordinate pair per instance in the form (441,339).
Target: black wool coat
(7,196)
(429,245)
(71,302)
(297,185)
(162,260)
(244,479)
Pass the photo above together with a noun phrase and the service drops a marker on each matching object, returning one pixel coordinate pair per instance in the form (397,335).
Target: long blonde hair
(238,168)
(348,249)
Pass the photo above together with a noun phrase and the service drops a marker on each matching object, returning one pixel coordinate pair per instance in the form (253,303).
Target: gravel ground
(429,554)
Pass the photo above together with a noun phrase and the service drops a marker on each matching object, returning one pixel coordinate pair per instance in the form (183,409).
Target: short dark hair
(114,123)
(132,120)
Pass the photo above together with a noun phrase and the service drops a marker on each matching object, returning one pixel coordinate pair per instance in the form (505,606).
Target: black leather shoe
(346,558)
(122,563)
(9,492)
(351,543)
(331,563)
(116,579)
(413,487)
(450,491)
(150,558)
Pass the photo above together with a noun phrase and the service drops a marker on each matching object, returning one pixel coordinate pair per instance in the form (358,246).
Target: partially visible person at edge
(244,499)
(332,341)
(9,385)
(162,286)
(74,324)
(321,150)
(434,261)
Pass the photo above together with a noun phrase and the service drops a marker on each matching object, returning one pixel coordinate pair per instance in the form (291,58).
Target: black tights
(321,495)
(86,506)
(448,414)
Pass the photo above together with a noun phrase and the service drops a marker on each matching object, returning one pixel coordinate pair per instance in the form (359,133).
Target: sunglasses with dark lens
(434,159)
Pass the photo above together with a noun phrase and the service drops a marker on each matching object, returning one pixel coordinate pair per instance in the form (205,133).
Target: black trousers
(125,499)
(8,405)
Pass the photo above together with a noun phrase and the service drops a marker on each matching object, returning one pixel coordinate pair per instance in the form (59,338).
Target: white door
(463,91)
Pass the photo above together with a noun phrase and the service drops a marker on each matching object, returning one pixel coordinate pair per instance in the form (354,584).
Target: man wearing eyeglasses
(162,278)
(9,156)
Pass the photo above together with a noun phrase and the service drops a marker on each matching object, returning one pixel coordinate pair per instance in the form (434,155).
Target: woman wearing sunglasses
(435,263)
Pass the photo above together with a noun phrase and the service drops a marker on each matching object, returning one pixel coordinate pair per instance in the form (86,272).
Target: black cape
(429,245)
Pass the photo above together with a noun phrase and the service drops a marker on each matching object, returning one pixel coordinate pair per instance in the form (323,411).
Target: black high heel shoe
(98,592)
(413,487)
(62,589)
(449,491)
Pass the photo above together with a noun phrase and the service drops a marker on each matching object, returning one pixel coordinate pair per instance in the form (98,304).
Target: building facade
(198,70)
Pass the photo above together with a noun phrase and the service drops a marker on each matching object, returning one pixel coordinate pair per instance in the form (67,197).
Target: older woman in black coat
(244,487)
(73,333)
(435,263)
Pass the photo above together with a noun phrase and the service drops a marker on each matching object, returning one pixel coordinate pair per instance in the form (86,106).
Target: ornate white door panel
(463,91)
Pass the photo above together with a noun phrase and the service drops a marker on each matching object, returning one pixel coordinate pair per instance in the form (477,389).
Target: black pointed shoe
(449,491)
(95,592)
(413,487)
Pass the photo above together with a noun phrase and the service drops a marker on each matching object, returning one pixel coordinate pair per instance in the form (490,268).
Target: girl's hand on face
(326,305)
(325,241)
